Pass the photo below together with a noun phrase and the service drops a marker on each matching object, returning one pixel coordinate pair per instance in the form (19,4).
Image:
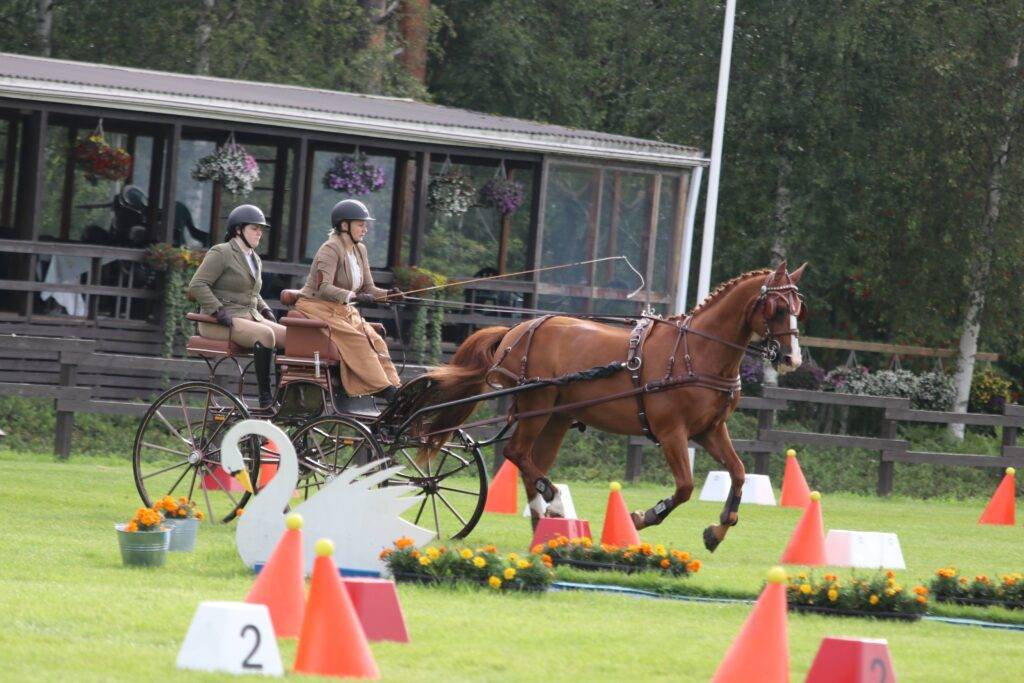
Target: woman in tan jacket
(227,286)
(338,281)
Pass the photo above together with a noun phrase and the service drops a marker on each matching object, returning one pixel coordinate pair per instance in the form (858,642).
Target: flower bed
(584,554)
(482,566)
(880,596)
(1008,591)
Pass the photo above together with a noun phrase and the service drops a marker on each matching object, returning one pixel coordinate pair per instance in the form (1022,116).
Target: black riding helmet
(350,210)
(245,214)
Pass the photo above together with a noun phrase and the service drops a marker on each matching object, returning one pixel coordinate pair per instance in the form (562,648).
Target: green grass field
(72,612)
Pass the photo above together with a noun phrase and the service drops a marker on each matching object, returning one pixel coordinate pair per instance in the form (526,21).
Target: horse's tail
(464,377)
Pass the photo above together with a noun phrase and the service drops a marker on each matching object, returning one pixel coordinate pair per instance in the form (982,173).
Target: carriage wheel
(326,446)
(177,449)
(453,484)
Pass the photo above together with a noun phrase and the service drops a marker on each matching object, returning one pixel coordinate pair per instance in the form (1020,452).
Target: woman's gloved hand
(364,298)
(223,317)
(395,294)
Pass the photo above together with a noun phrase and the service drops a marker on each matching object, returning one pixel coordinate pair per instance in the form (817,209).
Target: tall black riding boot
(262,360)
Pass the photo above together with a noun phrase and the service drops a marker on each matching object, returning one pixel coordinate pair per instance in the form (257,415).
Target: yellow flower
(433,553)
(425,560)
(479,562)
(659,550)
(805,588)
(802,576)
(873,599)
(890,592)
(587,543)
(510,574)
(524,564)
(494,582)
(465,553)
(512,557)
(833,595)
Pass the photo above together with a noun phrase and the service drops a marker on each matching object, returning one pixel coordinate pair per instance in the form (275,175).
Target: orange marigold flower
(921,599)
(546,559)
(683,556)
(981,578)
(385,554)
(537,549)
(494,582)
(963,580)
(665,564)
(490,548)
(404,542)
(693,566)
(131,527)
(646,548)
(199,515)
(415,554)
(921,590)
(890,574)
(873,599)
(238,512)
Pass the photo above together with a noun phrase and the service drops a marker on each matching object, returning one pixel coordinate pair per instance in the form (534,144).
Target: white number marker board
(234,637)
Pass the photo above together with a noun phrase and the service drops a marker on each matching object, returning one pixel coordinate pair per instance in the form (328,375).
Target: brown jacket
(225,280)
(329,277)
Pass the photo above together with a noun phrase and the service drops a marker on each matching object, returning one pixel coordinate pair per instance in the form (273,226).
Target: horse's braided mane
(725,287)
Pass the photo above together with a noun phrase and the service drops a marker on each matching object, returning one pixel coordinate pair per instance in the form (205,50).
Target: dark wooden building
(71,250)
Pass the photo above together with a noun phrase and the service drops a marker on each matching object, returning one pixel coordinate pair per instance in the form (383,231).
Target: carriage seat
(211,348)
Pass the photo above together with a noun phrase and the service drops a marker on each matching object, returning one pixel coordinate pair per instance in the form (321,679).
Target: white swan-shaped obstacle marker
(359,518)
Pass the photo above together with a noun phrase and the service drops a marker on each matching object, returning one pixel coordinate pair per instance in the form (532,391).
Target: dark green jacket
(225,280)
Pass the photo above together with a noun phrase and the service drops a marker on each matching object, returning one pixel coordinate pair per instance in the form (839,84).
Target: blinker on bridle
(769,347)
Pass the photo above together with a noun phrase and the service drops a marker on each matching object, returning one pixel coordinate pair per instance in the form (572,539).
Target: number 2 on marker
(246,664)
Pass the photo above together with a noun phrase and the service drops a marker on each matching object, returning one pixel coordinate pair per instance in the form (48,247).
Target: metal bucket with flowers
(182,517)
(144,540)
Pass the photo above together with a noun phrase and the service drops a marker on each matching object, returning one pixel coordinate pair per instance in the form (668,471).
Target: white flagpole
(711,206)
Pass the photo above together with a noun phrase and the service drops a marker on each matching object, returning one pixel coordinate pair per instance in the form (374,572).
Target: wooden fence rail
(71,355)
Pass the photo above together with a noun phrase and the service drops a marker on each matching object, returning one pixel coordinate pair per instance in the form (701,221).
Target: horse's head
(773,317)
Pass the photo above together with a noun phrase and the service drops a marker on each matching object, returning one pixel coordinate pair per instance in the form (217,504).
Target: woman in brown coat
(338,281)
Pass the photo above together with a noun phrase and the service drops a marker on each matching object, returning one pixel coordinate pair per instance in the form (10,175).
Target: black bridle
(769,347)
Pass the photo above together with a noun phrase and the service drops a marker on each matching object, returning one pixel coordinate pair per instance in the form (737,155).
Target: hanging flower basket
(97,159)
(231,166)
(451,193)
(353,174)
(501,193)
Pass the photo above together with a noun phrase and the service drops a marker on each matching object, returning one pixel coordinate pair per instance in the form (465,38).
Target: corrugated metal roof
(37,78)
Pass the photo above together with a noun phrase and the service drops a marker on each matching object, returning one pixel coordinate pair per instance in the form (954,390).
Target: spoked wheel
(177,449)
(326,446)
(453,484)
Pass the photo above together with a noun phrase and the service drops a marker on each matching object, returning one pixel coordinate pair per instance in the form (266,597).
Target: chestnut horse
(689,397)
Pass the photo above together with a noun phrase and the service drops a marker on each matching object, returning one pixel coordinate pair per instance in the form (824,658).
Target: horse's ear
(780,271)
(798,273)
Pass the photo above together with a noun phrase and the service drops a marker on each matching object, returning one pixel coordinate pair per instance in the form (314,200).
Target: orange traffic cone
(619,529)
(807,545)
(761,650)
(281,584)
(332,642)
(502,495)
(794,486)
(1003,506)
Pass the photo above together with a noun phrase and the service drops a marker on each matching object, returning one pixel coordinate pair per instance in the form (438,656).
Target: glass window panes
(665,241)
(569,214)
(323,199)
(624,228)
(194,198)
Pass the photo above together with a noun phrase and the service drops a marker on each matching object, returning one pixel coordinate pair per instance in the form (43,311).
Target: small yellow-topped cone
(1011,471)
(790,453)
(615,486)
(293,521)
(324,547)
(815,496)
(776,575)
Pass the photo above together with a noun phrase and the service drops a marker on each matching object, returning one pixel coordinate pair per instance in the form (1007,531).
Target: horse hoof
(710,540)
(638,520)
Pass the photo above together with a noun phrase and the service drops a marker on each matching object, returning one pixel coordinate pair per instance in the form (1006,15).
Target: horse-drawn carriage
(177,446)
(621,378)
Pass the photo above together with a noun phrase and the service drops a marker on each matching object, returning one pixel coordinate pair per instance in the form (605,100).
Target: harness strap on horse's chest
(634,363)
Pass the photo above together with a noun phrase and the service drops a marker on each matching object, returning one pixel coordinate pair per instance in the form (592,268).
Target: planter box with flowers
(582,553)
(881,597)
(981,590)
(182,518)
(231,166)
(177,265)
(482,566)
(144,540)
